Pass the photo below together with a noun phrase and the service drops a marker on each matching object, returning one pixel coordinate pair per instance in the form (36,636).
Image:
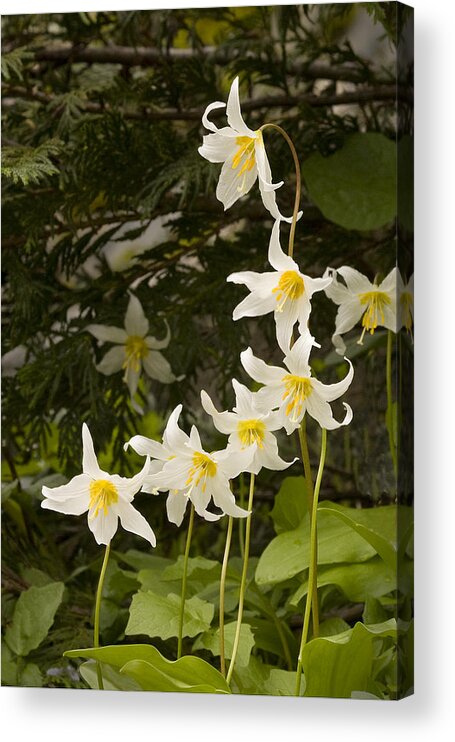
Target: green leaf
(9,666)
(31,677)
(112,678)
(356,187)
(147,666)
(291,504)
(33,616)
(158,615)
(378,526)
(282,683)
(357,581)
(211,640)
(289,553)
(336,666)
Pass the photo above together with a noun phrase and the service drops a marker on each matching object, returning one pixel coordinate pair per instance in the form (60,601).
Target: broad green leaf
(158,615)
(374,611)
(289,553)
(336,666)
(31,677)
(378,526)
(36,577)
(33,617)
(333,626)
(9,666)
(147,666)
(291,504)
(141,560)
(200,570)
(112,678)
(357,581)
(355,187)
(252,680)
(282,683)
(211,640)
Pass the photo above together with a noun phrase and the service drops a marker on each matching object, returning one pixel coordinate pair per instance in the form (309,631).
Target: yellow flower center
(203,467)
(290,286)
(251,431)
(135,350)
(406,301)
(298,389)
(246,156)
(375,302)
(102,495)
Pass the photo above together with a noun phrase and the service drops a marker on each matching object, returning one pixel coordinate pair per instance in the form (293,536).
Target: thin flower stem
(222,589)
(313,565)
(298,186)
(393,452)
(185,570)
(310,497)
(241,523)
(242,582)
(96,626)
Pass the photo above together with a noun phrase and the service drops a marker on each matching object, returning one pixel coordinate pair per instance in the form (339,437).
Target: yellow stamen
(135,350)
(102,495)
(407,301)
(246,156)
(298,389)
(375,301)
(290,286)
(203,467)
(251,431)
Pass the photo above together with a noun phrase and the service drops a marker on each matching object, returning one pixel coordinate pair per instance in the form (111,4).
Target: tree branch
(362,95)
(150,56)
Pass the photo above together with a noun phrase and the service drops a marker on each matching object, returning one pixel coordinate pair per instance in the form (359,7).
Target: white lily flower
(247,426)
(134,349)
(201,476)
(293,391)
(359,298)
(286,292)
(243,153)
(174,443)
(405,303)
(106,497)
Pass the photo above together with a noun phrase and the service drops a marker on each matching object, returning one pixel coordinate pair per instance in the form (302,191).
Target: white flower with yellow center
(405,303)
(243,153)
(106,497)
(286,292)
(201,476)
(292,391)
(359,299)
(247,426)
(174,444)
(133,349)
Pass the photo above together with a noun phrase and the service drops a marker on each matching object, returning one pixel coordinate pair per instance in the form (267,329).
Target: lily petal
(90,464)
(218,148)
(133,521)
(108,334)
(329,392)
(225,422)
(76,487)
(176,506)
(145,447)
(322,412)
(259,370)
(73,506)
(103,526)
(356,282)
(157,367)
(136,322)
(277,258)
(211,107)
(113,361)
(231,187)
(233,112)
(254,305)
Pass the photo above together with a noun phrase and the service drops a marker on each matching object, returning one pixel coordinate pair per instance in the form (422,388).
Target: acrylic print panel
(207,350)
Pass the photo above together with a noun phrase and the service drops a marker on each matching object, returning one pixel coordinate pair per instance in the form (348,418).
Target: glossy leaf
(356,186)
(289,553)
(33,617)
(151,671)
(211,641)
(291,504)
(158,615)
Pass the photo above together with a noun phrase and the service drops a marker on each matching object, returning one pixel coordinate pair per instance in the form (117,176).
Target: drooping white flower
(106,497)
(201,476)
(242,152)
(286,292)
(133,349)
(292,391)
(359,298)
(405,302)
(174,444)
(246,426)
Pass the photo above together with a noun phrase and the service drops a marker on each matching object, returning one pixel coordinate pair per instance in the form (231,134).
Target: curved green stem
(185,570)
(310,496)
(298,186)
(242,582)
(96,625)
(390,425)
(222,589)
(313,566)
